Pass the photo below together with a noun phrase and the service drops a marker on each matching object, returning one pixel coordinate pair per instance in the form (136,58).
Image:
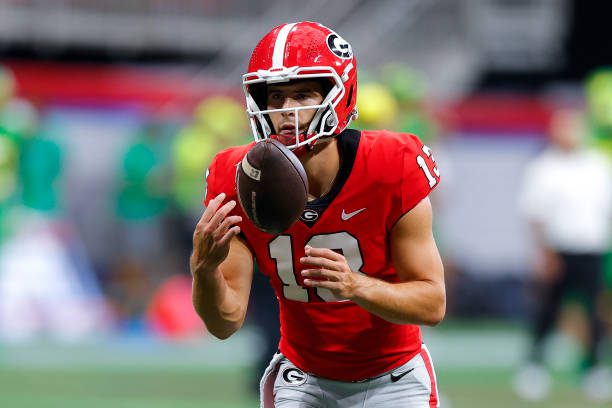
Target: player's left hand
(330,270)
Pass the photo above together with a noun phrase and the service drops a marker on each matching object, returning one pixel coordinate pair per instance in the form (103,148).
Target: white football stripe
(279,45)
(249,170)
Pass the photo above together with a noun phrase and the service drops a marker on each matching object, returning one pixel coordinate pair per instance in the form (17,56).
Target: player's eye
(300,96)
(275,97)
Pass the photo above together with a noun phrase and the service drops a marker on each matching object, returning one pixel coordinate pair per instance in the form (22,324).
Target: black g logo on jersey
(339,46)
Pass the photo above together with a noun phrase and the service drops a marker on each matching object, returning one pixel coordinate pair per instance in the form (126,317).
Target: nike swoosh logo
(350,215)
(396,378)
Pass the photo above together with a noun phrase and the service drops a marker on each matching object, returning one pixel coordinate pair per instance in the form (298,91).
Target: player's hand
(213,234)
(330,270)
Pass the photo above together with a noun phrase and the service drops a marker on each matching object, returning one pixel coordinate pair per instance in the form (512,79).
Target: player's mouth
(287,130)
(287,134)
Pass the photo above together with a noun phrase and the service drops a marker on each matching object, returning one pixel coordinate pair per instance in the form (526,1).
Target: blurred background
(110,112)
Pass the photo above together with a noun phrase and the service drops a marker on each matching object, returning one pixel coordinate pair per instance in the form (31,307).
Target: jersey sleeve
(419,175)
(221,178)
(211,188)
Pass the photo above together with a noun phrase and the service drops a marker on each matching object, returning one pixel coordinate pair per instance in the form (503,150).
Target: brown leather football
(272,186)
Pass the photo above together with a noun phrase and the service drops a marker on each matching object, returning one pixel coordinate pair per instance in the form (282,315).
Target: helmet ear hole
(326,87)
(259,92)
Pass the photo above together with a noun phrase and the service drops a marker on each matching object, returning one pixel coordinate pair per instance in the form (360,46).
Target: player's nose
(289,103)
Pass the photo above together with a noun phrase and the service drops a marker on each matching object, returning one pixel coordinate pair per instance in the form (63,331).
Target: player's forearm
(217,304)
(417,302)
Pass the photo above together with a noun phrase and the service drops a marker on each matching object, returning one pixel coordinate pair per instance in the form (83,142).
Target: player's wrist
(362,287)
(207,273)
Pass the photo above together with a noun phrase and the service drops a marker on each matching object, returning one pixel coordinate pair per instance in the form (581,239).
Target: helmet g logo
(339,46)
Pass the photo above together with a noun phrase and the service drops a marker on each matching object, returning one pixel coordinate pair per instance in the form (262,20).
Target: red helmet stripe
(279,46)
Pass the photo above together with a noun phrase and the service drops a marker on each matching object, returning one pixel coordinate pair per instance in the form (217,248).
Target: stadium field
(139,388)
(143,373)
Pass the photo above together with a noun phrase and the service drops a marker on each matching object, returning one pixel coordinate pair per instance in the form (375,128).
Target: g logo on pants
(294,376)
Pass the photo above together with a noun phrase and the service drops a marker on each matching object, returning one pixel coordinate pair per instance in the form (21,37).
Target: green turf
(229,389)
(474,367)
(129,389)
(492,388)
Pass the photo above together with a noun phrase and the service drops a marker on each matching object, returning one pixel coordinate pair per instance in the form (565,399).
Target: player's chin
(288,139)
(285,138)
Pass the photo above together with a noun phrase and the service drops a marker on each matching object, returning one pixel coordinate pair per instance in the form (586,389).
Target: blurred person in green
(409,89)
(42,289)
(143,198)
(32,161)
(145,176)
(566,198)
(218,122)
(40,168)
(9,151)
(397,102)
(598,92)
(377,107)
(9,156)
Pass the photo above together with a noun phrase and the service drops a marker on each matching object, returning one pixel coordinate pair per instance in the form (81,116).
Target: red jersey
(382,176)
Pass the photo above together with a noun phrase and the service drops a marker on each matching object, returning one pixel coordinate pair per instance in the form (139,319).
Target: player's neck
(321,165)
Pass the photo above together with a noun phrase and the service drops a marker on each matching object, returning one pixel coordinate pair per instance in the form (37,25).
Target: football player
(358,273)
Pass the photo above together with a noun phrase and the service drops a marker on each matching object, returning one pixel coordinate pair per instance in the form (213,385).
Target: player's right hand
(213,234)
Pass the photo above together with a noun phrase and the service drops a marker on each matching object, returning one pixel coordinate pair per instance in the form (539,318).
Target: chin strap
(307,148)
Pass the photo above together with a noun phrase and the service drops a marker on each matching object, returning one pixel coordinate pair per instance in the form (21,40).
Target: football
(272,186)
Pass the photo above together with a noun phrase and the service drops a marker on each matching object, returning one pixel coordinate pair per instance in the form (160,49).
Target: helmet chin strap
(309,147)
(304,149)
